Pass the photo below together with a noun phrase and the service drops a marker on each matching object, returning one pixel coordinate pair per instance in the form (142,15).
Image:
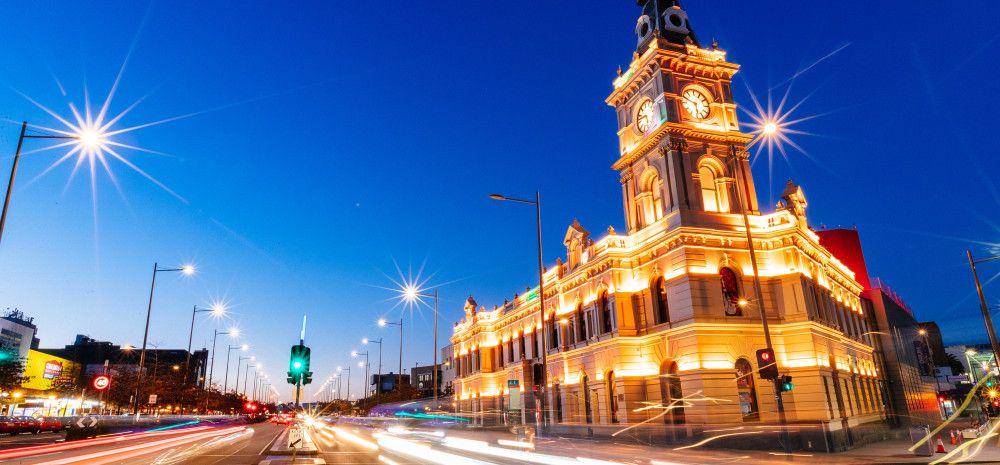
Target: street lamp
(231,332)
(379,342)
(217,310)
(541,296)
(982,302)
(187,270)
(769,129)
(383,323)
(246,373)
(411,293)
(348,370)
(242,347)
(239,363)
(933,368)
(365,353)
(88,140)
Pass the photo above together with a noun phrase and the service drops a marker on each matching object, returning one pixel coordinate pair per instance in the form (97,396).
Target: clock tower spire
(680,145)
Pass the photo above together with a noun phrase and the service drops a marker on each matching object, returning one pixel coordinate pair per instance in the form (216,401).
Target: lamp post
(379,342)
(88,140)
(383,323)
(348,370)
(768,130)
(216,310)
(411,293)
(982,303)
(239,363)
(247,373)
(365,353)
(187,270)
(541,296)
(232,332)
(244,348)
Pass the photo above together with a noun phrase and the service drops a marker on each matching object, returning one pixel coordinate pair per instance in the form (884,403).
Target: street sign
(152,399)
(294,438)
(514,389)
(86,422)
(101,382)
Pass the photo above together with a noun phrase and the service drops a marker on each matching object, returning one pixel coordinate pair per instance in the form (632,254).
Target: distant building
(422,378)
(17,332)
(448,371)
(92,354)
(909,397)
(388,382)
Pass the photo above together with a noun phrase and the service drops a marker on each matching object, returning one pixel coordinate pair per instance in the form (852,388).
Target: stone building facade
(660,323)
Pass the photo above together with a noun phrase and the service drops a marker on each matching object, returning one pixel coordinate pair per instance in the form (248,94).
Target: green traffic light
(297,364)
(989,383)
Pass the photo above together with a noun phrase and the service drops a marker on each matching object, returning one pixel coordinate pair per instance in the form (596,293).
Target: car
(8,425)
(52,424)
(283,419)
(28,425)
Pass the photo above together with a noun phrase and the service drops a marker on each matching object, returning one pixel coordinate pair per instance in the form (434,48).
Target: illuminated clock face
(644,119)
(696,104)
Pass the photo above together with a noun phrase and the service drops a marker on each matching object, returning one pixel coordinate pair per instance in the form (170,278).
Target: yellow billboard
(47,372)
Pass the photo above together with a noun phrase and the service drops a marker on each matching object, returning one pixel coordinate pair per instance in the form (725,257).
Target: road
(356,442)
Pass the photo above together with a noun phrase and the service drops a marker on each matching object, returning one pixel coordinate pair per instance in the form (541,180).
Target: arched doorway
(746,390)
(671,394)
(588,408)
(612,398)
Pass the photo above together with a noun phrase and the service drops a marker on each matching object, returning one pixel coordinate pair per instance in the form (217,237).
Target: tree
(11,369)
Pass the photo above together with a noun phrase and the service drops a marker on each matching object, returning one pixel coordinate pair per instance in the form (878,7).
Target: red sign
(53,369)
(101,382)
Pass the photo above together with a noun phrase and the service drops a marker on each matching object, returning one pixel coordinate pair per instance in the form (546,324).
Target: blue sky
(328,142)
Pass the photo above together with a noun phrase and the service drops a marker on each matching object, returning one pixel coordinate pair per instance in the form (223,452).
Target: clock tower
(681,153)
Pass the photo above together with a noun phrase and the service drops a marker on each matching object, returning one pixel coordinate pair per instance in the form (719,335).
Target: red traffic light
(765,356)
(941,399)
(101,382)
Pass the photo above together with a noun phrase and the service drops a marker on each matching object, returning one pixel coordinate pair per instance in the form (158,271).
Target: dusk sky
(320,146)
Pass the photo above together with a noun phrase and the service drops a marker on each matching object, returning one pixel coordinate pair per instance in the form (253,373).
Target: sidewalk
(897,451)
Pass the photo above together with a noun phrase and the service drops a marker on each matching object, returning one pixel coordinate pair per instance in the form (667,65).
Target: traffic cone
(940,446)
(953,440)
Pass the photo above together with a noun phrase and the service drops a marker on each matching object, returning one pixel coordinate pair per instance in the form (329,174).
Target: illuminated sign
(53,369)
(44,371)
(101,382)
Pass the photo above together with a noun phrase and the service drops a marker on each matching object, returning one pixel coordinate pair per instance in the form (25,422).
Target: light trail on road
(50,448)
(135,450)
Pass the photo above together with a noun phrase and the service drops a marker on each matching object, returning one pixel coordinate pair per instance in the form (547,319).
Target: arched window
(709,196)
(558,401)
(650,197)
(660,306)
(670,394)
(553,332)
(588,408)
(730,291)
(612,397)
(746,390)
(604,309)
(581,324)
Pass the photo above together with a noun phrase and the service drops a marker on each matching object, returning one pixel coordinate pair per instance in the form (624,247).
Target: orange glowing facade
(664,314)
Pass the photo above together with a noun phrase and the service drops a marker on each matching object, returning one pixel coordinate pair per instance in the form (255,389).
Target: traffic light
(298,365)
(989,382)
(785,383)
(942,398)
(766,365)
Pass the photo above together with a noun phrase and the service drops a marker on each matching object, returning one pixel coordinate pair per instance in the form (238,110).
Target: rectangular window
(847,394)
(829,402)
